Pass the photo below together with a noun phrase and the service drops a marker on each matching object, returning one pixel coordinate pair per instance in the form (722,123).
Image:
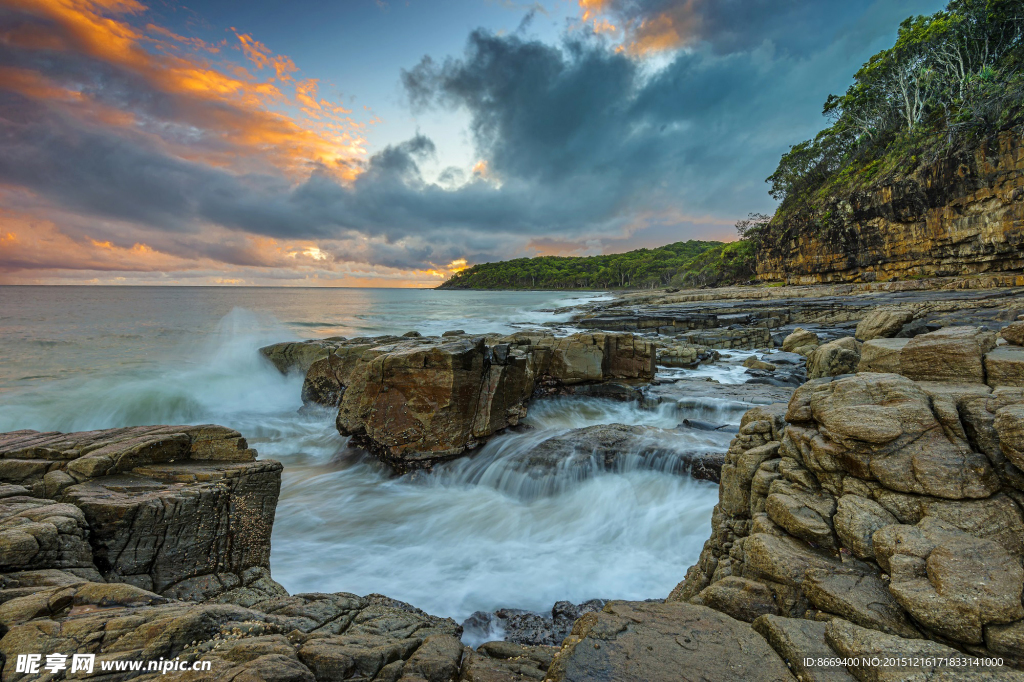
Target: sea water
(469,536)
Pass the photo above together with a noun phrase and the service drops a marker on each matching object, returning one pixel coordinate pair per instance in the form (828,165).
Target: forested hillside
(952,80)
(683,263)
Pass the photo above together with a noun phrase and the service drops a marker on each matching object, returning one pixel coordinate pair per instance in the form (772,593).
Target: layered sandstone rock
(185,511)
(881,505)
(963,214)
(414,401)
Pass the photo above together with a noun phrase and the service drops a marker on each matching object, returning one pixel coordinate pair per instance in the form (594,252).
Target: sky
(393,142)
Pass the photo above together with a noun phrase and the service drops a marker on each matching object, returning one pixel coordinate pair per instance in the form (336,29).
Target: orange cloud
(672,28)
(248,120)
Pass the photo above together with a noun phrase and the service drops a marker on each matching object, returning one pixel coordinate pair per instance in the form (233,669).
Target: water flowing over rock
(617,447)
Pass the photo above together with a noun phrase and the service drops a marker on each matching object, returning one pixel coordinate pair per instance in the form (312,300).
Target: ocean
(467,537)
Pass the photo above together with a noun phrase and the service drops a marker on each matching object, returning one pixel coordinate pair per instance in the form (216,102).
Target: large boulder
(414,405)
(1014,333)
(800,341)
(1005,367)
(165,527)
(834,358)
(950,354)
(186,511)
(880,427)
(951,582)
(882,323)
(651,642)
(881,355)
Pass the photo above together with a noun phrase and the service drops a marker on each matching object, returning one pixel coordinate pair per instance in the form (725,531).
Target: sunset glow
(384,143)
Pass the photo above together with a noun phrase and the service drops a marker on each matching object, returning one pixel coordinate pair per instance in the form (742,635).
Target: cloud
(127,147)
(727,26)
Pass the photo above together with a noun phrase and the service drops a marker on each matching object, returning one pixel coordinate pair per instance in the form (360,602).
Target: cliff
(961,215)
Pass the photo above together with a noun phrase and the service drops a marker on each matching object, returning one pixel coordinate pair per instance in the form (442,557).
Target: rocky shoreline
(871,497)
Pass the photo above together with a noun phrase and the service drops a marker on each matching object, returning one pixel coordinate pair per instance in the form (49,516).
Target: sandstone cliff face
(959,216)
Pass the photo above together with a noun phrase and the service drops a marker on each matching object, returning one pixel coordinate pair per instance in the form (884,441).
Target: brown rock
(879,324)
(852,641)
(414,405)
(860,598)
(37,534)
(1004,366)
(856,520)
(881,355)
(798,640)
(950,354)
(784,559)
(1014,333)
(1009,425)
(802,514)
(164,528)
(881,426)
(506,662)
(834,358)
(800,341)
(951,582)
(740,598)
(647,642)
(753,363)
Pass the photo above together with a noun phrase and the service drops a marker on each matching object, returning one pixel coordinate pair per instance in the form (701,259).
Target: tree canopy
(643,268)
(950,79)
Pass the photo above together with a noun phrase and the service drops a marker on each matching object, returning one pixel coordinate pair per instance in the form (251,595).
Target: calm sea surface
(467,537)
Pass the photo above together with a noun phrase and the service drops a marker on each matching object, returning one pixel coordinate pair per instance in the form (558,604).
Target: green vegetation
(690,263)
(951,80)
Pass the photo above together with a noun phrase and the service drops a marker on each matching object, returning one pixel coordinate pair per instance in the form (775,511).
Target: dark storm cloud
(580,141)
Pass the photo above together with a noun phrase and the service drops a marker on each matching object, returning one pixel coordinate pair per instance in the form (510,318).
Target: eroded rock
(649,641)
